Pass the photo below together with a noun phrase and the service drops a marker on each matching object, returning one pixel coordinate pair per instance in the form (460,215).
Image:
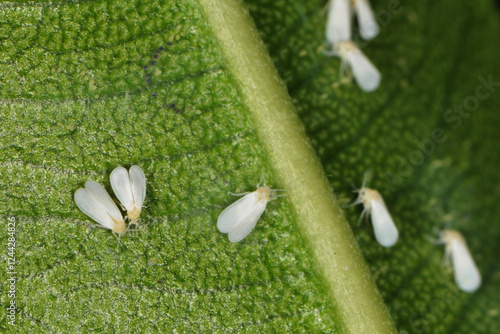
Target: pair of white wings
(95,202)
(466,274)
(129,187)
(338,24)
(240,218)
(385,230)
(365,73)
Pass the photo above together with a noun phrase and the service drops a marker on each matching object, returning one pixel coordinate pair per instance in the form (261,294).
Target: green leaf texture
(90,86)
(186,90)
(432,56)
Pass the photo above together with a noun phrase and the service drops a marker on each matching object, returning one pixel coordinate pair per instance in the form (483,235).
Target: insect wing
(467,276)
(236,212)
(138,182)
(91,208)
(366,74)
(338,24)
(102,198)
(386,232)
(368,27)
(120,182)
(246,225)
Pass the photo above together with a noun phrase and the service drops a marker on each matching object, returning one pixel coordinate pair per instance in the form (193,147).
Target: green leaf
(77,101)
(433,56)
(90,86)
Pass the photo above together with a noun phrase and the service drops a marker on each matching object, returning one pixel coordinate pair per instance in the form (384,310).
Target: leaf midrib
(337,255)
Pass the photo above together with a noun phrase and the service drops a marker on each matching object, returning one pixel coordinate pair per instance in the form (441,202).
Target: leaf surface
(185,90)
(428,135)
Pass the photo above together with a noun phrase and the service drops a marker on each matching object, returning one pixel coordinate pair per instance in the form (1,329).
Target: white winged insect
(368,27)
(338,21)
(96,203)
(467,275)
(385,230)
(365,73)
(239,219)
(130,189)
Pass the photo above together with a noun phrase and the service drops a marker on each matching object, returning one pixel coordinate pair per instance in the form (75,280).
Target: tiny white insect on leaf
(338,22)
(96,203)
(365,73)
(466,274)
(368,27)
(130,189)
(384,228)
(240,218)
